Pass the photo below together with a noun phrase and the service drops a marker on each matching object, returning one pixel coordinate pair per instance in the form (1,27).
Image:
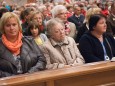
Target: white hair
(42,8)
(50,25)
(55,11)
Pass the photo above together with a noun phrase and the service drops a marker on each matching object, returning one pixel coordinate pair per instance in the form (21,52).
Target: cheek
(6,29)
(31,31)
(37,31)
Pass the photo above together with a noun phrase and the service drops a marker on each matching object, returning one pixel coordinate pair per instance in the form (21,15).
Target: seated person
(18,54)
(60,50)
(35,32)
(85,27)
(95,45)
(60,11)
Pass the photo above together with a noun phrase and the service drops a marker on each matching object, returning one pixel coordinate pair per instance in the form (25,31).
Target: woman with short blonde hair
(18,54)
(91,11)
(4,19)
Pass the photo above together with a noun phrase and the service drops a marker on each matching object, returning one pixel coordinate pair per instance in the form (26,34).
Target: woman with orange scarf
(18,54)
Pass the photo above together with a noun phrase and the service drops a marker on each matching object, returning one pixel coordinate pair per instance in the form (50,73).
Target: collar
(78,16)
(64,42)
(87,25)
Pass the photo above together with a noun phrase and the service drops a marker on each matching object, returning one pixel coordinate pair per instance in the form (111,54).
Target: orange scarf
(13,47)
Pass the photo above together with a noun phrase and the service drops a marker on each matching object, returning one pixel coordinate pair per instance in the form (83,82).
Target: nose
(11,27)
(105,24)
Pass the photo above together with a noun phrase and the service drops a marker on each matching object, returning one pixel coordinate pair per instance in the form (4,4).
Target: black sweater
(92,50)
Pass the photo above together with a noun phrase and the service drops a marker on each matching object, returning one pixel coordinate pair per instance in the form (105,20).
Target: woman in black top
(95,45)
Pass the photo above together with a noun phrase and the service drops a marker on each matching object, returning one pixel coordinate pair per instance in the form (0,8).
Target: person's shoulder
(27,39)
(108,36)
(47,45)
(70,39)
(71,16)
(82,15)
(85,36)
(2,47)
(43,35)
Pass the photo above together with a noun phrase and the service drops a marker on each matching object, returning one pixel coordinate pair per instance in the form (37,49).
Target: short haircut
(76,7)
(6,16)
(56,10)
(94,20)
(50,25)
(92,11)
(34,13)
(27,11)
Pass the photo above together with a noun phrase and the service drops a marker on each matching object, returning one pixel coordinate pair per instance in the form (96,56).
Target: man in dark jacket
(77,18)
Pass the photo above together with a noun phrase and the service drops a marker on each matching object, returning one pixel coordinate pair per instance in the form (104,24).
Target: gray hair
(50,25)
(55,11)
(42,8)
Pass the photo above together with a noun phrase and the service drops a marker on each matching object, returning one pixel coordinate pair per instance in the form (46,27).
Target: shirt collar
(54,43)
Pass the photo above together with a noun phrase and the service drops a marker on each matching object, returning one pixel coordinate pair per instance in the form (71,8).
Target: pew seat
(91,74)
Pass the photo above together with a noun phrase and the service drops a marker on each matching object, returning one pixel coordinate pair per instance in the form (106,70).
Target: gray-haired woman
(60,50)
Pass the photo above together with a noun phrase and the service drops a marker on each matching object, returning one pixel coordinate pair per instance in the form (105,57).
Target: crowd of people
(51,36)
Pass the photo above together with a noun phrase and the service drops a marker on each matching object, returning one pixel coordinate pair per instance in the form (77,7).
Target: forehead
(58,26)
(11,19)
(77,8)
(38,15)
(61,10)
(101,20)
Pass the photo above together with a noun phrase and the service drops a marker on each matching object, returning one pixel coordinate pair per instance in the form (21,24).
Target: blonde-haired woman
(18,54)
(85,27)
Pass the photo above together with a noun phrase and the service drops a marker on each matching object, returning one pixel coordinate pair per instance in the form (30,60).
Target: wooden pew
(92,74)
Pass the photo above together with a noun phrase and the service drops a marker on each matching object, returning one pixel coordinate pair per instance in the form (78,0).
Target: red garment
(83,12)
(41,28)
(69,14)
(105,12)
(67,28)
(68,1)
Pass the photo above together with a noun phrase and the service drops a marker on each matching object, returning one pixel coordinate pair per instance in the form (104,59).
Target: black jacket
(83,29)
(77,21)
(31,58)
(92,50)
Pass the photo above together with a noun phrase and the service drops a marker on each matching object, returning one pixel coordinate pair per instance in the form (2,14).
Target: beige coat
(59,55)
